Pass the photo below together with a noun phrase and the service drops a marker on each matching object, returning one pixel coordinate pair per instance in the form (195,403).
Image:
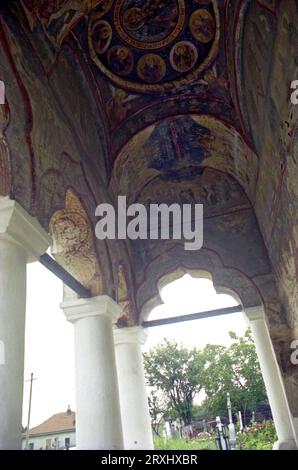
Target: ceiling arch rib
(180,147)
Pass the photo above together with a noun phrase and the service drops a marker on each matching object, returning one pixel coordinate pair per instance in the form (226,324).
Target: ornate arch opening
(207,265)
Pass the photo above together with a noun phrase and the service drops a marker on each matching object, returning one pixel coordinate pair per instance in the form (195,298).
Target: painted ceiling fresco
(58,17)
(153,45)
(183,146)
(150,58)
(145,45)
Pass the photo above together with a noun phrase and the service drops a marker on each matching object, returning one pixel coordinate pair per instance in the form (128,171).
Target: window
(31,446)
(67,442)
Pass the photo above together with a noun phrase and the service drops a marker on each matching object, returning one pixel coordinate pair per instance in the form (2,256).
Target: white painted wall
(40,441)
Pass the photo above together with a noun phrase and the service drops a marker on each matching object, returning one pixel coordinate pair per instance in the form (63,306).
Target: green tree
(158,406)
(236,370)
(175,372)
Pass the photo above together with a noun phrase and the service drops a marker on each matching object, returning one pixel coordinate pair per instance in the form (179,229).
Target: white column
(98,419)
(272,379)
(21,239)
(136,421)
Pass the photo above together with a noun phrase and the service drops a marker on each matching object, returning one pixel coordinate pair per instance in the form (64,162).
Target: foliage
(157,408)
(258,437)
(176,372)
(176,375)
(236,370)
(184,444)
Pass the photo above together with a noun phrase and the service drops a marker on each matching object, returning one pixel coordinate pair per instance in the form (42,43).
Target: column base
(285,445)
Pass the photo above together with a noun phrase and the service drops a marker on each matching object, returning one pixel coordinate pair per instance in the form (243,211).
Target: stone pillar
(98,419)
(22,239)
(272,379)
(136,421)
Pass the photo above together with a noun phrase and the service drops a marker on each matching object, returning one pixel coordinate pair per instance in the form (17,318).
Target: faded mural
(162,101)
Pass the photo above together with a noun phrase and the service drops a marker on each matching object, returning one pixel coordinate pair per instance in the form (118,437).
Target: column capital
(252,314)
(18,227)
(131,335)
(104,305)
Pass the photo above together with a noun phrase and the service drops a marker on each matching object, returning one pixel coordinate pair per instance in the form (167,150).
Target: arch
(215,143)
(74,245)
(123,298)
(207,265)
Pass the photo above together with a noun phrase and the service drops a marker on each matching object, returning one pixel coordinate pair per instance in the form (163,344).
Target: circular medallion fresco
(120,60)
(202,25)
(151,68)
(153,45)
(183,56)
(152,24)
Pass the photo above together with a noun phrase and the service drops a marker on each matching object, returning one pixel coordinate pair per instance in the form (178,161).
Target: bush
(258,437)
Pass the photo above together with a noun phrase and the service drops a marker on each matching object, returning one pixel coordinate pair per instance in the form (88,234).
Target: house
(56,433)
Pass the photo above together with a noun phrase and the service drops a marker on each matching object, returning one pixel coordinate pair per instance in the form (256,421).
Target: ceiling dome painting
(153,45)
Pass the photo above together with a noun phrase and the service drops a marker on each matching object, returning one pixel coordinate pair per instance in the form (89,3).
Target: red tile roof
(59,422)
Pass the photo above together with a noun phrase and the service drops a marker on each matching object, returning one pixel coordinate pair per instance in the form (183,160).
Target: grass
(181,444)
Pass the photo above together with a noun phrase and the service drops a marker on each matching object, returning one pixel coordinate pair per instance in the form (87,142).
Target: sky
(49,350)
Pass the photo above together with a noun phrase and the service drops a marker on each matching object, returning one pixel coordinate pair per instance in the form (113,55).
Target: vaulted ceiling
(154,98)
(151,60)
